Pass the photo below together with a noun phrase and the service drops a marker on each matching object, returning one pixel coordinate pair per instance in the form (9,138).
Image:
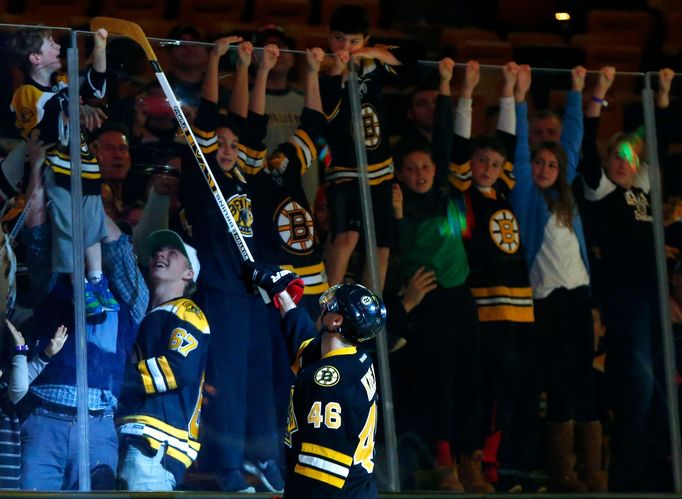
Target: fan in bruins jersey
(158,423)
(333,405)
(498,276)
(283,224)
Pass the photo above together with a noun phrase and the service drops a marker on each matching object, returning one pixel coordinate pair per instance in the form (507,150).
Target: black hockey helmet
(363,312)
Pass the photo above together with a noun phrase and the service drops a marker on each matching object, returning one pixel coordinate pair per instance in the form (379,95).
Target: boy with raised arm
(349,35)
(41,106)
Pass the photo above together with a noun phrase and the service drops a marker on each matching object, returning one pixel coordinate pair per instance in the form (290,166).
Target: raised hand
(314,58)
(523,81)
(665,80)
(472,75)
(36,150)
(340,62)
(101,36)
(445,68)
(57,341)
(269,57)
(244,53)
(510,72)
(17,337)
(92,117)
(421,283)
(606,76)
(397,201)
(99,53)
(222,45)
(578,78)
(273,280)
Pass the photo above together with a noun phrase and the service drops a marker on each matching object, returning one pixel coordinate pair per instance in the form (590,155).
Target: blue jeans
(49,459)
(632,336)
(142,472)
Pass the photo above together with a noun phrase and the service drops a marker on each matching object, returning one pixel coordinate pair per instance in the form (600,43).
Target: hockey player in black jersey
(333,406)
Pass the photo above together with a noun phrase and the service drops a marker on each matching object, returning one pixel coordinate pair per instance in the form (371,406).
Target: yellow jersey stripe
(506,313)
(296,366)
(203,133)
(374,167)
(502,291)
(64,171)
(167,373)
(326,452)
(180,456)
(301,160)
(319,476)
(334,112)
(146,377)
(171,451)
(155,423)
(306,270)
(316,289)
(302,135)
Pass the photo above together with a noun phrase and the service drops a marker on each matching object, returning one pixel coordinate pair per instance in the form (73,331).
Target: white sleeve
(463,115)
(23,374)
(506,121)
(604,188)
(18,381)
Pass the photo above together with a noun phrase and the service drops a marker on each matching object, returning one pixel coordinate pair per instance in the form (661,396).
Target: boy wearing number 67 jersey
(158,420)
(333,407)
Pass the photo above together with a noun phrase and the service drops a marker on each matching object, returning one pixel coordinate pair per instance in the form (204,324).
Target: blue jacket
(527,199)
(109,343)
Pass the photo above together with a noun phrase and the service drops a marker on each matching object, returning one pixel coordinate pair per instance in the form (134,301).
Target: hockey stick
(133,31)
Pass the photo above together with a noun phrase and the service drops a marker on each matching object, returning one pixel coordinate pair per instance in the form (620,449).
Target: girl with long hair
(552,231)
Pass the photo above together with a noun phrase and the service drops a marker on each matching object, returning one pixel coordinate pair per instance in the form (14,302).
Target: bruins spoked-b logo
(370,122)
(240,207)
(295,227)
(327,376)
(504,231)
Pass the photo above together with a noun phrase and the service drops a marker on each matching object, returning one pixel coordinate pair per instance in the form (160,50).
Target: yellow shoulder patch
(189,311)
(25,104)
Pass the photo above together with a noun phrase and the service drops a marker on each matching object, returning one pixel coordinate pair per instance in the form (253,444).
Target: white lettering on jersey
(369,381)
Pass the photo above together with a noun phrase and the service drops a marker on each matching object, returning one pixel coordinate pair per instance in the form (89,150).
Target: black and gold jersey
(283,218)
(460,167)
(332,420)
(161,397)
(498,275)
(219,256)
(43,111)
(336,105)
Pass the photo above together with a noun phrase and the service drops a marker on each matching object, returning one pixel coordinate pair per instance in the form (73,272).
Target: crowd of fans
(511,264)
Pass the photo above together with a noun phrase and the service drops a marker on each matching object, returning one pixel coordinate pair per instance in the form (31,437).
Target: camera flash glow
(562,16)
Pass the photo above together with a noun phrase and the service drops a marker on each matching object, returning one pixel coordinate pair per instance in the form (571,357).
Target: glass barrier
(514,251)
(43,290)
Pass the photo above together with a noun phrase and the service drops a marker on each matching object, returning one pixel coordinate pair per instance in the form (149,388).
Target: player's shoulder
(342,371)
(185,310)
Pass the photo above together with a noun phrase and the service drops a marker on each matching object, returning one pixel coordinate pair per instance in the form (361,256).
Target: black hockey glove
(273,280)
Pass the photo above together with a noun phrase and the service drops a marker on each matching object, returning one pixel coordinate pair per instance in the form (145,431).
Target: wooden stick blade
(124,28)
